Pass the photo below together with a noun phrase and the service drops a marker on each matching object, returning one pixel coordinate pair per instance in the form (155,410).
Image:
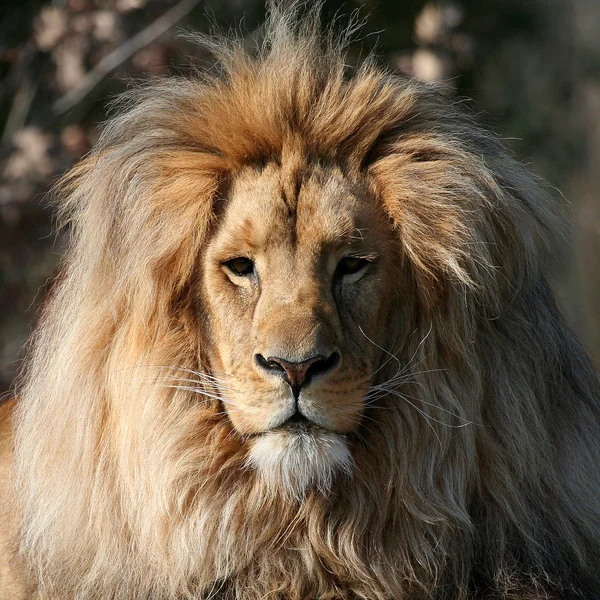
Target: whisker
(214,383)
(371,404)
(402,378)
(199,391)
(449,412)
(390,357)
(401,369)
(214,376)
(428,419)
(466,424)
(364,440)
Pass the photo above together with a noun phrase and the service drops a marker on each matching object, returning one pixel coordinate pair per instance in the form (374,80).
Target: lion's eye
(240,266)
(350,265)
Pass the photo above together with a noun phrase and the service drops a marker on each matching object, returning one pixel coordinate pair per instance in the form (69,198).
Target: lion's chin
(292,461)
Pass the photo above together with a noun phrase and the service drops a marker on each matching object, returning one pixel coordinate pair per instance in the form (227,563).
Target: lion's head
(302,348)
(296,279)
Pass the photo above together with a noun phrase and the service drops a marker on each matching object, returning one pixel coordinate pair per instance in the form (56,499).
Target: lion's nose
(298,374)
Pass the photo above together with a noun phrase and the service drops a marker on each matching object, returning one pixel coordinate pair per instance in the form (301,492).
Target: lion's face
(296,283)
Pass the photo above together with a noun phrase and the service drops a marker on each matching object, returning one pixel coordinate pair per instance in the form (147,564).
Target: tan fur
(13,579)
(455,452)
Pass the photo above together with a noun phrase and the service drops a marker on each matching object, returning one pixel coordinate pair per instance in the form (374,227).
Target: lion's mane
(506,506)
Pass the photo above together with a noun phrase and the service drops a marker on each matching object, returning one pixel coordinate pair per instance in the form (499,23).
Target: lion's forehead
(321,210)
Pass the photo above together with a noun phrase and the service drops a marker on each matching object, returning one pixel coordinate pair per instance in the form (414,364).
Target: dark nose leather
(298,374)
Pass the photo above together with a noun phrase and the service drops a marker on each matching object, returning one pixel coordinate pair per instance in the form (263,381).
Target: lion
(301,347)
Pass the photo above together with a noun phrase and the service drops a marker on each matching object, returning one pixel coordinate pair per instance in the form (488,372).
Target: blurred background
(531,68)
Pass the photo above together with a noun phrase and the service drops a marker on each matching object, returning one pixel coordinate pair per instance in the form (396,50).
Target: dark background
(531,68)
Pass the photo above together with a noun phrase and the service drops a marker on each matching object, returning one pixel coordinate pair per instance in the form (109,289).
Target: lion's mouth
(299,424)
(298,419)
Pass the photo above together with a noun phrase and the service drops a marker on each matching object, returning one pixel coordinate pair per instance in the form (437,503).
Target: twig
(122,53)
(15,74)
(20,107)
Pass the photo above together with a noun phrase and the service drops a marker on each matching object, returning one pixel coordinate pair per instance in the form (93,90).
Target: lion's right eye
(240,266)
(349,265)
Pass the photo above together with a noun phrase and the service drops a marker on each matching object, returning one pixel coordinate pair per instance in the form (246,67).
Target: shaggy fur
(475,470)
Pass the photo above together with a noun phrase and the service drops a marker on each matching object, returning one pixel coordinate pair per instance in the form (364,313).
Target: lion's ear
(142,216)
(181,208)
(463,218)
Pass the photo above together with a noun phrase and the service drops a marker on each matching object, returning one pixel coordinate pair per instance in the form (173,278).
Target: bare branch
(122,53)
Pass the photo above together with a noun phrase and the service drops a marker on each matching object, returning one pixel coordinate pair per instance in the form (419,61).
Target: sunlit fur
(292,463)
(476,469)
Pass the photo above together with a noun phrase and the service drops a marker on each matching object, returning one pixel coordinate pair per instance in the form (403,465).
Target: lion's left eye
(350,265)
(240,266)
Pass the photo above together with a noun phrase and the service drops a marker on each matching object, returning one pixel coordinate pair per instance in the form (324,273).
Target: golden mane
(116,509)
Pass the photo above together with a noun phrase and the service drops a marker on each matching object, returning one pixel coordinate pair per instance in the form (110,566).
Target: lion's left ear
(460,220)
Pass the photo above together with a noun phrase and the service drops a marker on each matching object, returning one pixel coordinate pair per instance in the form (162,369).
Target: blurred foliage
(532,69)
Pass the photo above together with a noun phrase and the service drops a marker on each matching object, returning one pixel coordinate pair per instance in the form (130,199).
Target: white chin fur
(292,462)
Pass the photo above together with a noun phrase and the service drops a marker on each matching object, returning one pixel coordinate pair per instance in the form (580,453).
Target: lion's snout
(297,373)
(295,376)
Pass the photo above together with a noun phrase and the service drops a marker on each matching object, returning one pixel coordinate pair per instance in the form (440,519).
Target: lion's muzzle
(297,373)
